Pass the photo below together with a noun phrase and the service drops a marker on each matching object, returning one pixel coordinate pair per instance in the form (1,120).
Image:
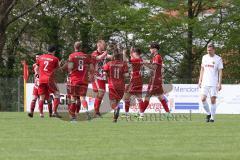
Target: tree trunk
(2,44)
(189,56)
(5,8)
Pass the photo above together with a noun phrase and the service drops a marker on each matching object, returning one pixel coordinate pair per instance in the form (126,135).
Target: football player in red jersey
(48,64)
(99,85)
(155,87)
(135,85)
(35,91)
(116,71)
(79,66)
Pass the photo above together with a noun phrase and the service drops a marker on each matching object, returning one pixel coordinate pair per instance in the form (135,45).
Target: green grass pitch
(22,138)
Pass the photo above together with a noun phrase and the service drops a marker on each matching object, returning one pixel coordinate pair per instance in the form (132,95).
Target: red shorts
(46,88)
(99,85)
(115,94)
(135,86)
(155,89)
(35,91)
(78,90)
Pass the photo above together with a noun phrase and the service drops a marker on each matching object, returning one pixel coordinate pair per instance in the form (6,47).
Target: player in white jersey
(99,59)
(210,80)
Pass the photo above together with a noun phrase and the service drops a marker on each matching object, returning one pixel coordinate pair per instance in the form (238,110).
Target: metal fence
(11,94)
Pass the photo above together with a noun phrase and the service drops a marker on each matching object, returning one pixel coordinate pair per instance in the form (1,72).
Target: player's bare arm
(91,72)
(200,77)
(125,56)
(102,56)
(219,79)
(126,76)
(150,65)
(64,66)
(36,69)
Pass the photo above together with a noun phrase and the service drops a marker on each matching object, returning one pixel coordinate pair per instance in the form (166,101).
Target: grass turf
(22,138)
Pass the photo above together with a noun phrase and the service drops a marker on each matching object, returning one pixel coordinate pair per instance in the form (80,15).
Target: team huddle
(100,68)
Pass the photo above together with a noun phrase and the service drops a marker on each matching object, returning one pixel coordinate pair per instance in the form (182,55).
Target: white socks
(206,107)
(213,110)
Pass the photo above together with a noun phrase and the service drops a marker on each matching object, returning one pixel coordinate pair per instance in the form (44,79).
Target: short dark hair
(211,44)
(155,45)
(117,55)
(137,50)
(52,48)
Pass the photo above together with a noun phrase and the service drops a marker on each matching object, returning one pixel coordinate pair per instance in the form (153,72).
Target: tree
(6,19)
(184,28)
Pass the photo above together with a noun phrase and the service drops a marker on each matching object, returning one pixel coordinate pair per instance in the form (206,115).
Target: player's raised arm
(64,65)
(125,55)
(35,68)
(149,65)
(91,72)
(102,56)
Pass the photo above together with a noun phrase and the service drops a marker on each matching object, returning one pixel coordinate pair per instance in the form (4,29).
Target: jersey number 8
(80,65)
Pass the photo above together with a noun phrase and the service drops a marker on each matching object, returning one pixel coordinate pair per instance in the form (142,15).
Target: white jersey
(211,66)
(98,65)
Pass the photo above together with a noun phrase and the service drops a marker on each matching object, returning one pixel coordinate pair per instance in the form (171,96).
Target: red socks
(97,104)
(165,105)
(55,104)
(78,106)
(72,109)
(41,102)
(127,105)
(145,105)
(50,108)
(33,103)
(141,106)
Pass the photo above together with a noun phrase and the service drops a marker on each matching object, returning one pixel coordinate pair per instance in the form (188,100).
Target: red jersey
(136,67)
(116,70)
(98,66)
(157,73)
(79,73)
(47,64)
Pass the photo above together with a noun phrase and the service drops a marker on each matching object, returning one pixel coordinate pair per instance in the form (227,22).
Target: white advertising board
(182,99)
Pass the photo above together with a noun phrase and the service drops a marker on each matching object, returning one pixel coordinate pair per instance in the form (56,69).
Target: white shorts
(212,91)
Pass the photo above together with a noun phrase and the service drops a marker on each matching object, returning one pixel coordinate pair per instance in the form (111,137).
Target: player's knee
(161,97)
(73,101)
(213,100)
(147,98)
(49,101)
(203,99)
(83,98)
(139,100)
(101,94)
(56,95)
(42,97)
